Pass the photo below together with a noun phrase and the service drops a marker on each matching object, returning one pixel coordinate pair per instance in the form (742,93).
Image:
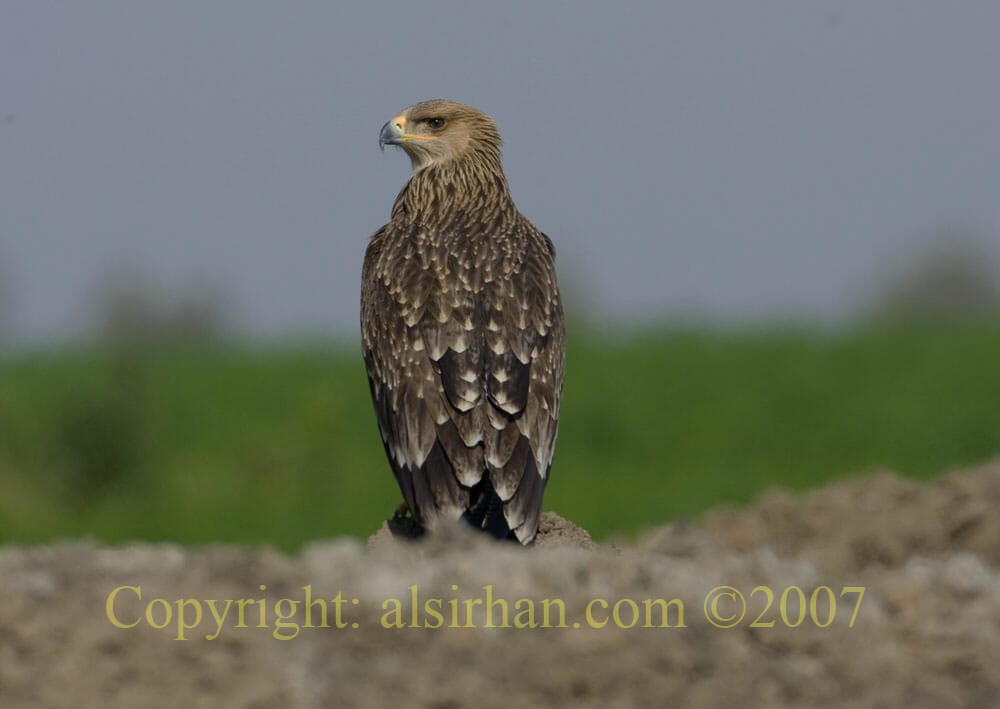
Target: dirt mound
(416,617)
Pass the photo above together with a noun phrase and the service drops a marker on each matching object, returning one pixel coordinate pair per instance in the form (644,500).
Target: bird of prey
(462,330)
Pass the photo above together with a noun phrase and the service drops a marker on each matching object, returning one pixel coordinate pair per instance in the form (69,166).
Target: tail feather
(486,512)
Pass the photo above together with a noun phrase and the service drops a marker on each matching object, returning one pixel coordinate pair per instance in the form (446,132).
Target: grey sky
(736,159)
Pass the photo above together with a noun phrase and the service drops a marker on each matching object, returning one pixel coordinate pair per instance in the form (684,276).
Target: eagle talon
(403,525)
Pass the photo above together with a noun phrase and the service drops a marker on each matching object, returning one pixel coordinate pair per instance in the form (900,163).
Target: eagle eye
(436,123)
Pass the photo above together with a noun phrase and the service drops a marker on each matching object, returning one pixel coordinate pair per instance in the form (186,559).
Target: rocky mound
(567,617)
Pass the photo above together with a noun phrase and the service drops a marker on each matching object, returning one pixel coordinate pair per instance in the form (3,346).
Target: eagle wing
(464,346)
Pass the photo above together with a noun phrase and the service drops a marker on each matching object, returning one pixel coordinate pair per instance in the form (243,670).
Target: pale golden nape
(437,131)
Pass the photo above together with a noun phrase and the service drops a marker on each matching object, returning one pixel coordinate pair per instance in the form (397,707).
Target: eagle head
(438,131)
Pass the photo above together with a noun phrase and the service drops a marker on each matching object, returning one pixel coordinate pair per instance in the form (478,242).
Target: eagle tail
(486,511)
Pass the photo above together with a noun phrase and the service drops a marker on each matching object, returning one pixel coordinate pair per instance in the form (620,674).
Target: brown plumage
(462,330)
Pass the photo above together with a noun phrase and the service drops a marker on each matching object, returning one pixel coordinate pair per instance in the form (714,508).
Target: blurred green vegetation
(214,443)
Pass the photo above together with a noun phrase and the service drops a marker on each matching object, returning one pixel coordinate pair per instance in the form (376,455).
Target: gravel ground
(926,632)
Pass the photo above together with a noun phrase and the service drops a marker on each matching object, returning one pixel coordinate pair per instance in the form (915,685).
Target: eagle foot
(403,524)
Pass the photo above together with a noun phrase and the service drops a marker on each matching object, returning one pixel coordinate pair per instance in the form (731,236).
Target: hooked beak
(391,134)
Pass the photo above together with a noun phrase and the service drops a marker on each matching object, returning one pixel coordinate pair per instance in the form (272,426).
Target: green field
(211,444)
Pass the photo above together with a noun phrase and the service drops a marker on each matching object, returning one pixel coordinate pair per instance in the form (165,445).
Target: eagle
(462,330)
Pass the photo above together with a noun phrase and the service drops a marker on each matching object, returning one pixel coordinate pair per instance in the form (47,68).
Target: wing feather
(463,342)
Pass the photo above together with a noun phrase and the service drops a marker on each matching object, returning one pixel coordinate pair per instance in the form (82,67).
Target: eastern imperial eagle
(462,330)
